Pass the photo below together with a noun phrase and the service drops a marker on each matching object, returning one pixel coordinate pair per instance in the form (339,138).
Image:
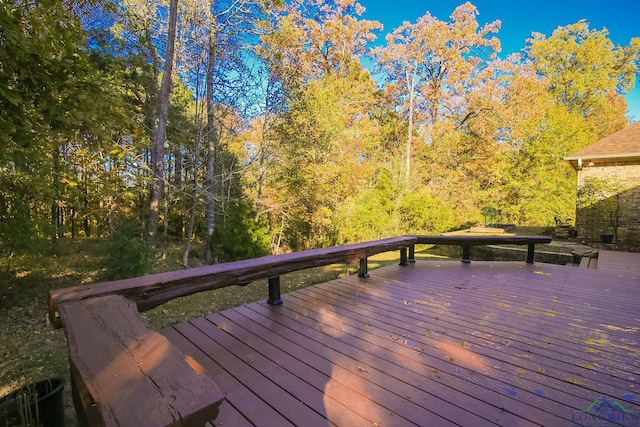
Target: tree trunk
(194,202)
(261,161)
(73,222)
(157,149)
(190,226)
(411,86)
(194,195)
(85,200)
(211,151)
(165,219)
(55,209)
(178,184)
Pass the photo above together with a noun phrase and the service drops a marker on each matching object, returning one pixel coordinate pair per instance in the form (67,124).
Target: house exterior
(614,160)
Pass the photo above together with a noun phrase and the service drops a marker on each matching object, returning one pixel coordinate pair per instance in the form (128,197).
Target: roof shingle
(624,143)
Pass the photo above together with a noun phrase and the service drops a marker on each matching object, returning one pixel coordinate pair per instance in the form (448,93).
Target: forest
(248,127)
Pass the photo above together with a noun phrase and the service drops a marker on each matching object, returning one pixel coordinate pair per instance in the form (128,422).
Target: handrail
(156,289)
(452,239)
(467,241)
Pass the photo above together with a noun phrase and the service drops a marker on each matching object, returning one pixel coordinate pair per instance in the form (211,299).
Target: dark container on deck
(49,410)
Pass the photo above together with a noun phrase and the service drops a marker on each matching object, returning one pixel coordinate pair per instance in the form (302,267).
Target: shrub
(129,255)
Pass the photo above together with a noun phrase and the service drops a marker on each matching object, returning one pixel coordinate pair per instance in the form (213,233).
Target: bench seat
(122,373)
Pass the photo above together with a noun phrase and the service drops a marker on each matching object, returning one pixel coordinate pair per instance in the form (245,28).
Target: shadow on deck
(432,343)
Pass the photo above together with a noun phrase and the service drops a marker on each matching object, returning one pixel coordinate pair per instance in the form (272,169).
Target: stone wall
(591,223)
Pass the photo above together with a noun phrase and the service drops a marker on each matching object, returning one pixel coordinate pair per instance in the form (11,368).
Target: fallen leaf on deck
(542,273)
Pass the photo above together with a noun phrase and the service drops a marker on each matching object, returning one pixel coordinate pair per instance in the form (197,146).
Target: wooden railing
(151,291)
(111,350)
(467,241)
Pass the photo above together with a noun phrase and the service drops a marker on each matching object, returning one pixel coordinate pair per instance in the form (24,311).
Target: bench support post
(412,254)
(530,253)
(363,271)
(403,257)
(274,291)
(466,254)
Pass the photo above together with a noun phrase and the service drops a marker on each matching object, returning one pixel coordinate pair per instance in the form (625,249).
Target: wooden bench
(122,373)
(467,241)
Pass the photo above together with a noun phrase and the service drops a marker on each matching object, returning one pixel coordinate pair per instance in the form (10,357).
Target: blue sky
(519,19)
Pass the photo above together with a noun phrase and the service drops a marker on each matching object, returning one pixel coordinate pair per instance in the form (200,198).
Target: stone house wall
(590,225)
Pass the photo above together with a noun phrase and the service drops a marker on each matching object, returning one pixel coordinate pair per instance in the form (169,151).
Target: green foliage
(370,215)
(46,81)
(323,145)
(421,213)
(583,65)
(388,209)
(128,254)
(59,116)
(538,184)
(239,236)
(16,229)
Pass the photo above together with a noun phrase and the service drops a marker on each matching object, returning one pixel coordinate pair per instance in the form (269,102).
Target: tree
(538,184)
(433,68)
(158,143)
(318,139)
(308,39)
(565,97)
(583,66)
(230,26)
(324,150)
(55,101)
(321,142)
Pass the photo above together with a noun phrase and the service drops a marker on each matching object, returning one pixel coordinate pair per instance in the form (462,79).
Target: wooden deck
(430,344)
(616,262)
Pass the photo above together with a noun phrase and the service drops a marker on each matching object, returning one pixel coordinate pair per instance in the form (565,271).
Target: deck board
(433,343)
(356,368)
(621,263)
